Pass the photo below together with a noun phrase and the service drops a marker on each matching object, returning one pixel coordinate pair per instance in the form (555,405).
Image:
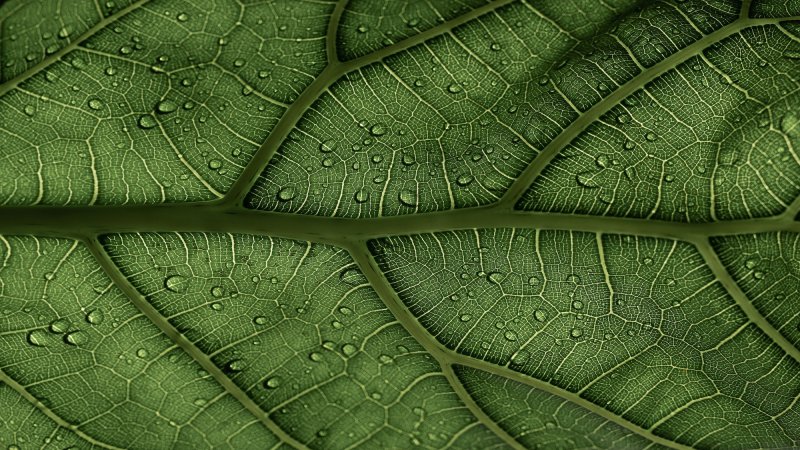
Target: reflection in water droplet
(76,338)
(59,325)
(147,121)
(272,382)
(286,194)
(407,198)
(95,317)
(166,106)
(175,283)
(38,338)
(540,315)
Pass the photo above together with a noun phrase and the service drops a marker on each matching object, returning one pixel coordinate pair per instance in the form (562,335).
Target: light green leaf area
(539,419)
(299,329)
(671,352)
(765,267)
(70,339)
(668,153)
(392,224)
(34,29)
(166,103)
(452,122)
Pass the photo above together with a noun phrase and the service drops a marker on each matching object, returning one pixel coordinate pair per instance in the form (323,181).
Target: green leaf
(466,224)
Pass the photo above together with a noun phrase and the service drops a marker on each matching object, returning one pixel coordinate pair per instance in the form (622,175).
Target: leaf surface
(465,224)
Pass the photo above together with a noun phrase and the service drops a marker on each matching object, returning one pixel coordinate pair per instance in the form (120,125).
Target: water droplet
(59,325)
(602,161)
(327,146)
(577,304)
(352,276)
(510,335)
(750,263)
(361,196)
(454,88)
(407,198)
(412,22)
(349,349)
(182,17)
(199,402)
(286,194)
(29,110)
(385,359)
(239,62)
(217,306)
(576,332)
(533,281)
(790,124)
(166,106)
(495,46)
(125,50)
(78,63)
(272,382)
(38,338)
(141,353)
(362,28)
(378,129)
(76,338)
(540,315)
(464,180)
(235,365)
(629,145)
(651,136)
(147,121)
(95,316)
(315,356)
(465,317)
(520,357)
(214,164)
(260,320)
(49,276)
(95,104)
(175,283)
(495,277)
(217,291)
(586,179)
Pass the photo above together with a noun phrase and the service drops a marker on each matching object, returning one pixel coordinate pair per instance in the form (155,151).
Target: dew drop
(464,180)
(272,382)
(95,104)
(141,353)
(533,281)
(29,110)
(38,338)
(214,164)
(577,304)
(407,198)
(510,335)
(217,291)
(182,17)
(650,136)
(361,196)
(260,320)
(286,194)
(352,276)
(95,316)
(76,338)
(59,325)
(540,315)
(495,277)
(327,146)
(586,179)
(315,356)
(175,283)
(576,332)
(235,365)
(349,349)
(465,318)
(377,130)
(166,106)
(750,263)
(147,121)
(454,88)
(520,357)
(362,28)
(495,46)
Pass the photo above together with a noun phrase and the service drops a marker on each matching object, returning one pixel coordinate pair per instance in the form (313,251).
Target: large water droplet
(76,338)
(95,317)
(59,325)
(166,106)
(378,129)
(39,338)
(175,283)
(147,121)
(286,194)
(407,198)
(272,382)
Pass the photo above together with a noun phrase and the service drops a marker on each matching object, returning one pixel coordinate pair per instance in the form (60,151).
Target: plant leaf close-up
(389,224)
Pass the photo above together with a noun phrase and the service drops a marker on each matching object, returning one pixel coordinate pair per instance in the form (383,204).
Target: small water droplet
(349,349)
(750,263)
(95,104)
(520,357)
(495,46)
(651,136)
(235,365)
(465,317)
(141,353)
(260,320)
(362,28)
(272,382)
(454,88)
(286,194)
(361,196)
(464,180)
(495,277)
(378,129)
(182,17)
(540,315)
(510,335)
(576,332)
(315,356)
(586,179)
(352,276)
